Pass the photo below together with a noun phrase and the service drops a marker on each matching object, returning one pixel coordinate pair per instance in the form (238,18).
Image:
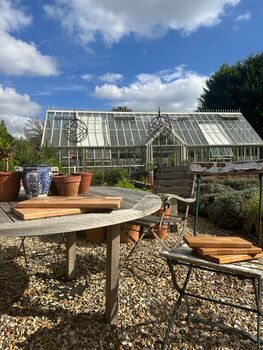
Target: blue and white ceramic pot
(36,180)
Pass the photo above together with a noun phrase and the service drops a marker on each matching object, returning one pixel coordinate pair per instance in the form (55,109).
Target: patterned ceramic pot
(36,180)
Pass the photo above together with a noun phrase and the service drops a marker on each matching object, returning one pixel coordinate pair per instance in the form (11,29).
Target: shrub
(108,177)
(213,187)
(241,183)
(227,208)
(27,154)
(124,183)
(113,175)
(98,177)
(205,203)
(251,213)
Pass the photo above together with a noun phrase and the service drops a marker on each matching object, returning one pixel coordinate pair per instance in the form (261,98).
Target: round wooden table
(135,204)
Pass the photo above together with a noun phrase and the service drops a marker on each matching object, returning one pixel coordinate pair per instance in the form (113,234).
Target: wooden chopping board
(71,202)
(228,251)
(39,213)
(216,242)
(226,259)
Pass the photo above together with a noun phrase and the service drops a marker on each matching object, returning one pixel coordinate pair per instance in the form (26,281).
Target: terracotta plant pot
(167,212)
(67,185)
(85,181)
(96,235)
(161,232)
(9,185)
(132,230)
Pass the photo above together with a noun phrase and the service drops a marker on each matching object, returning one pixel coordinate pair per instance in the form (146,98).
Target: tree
(7,146)
(239,86)
(121,109)
(33,129)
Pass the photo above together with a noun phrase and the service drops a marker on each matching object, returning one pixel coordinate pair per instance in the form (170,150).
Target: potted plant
(9,180)
(165,210)
(150,173)
(37,172)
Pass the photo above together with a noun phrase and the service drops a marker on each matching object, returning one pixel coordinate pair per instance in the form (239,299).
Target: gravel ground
(39,309)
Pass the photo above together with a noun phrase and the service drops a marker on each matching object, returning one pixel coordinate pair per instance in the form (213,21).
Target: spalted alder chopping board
(40,213)
(228,251)
(226,259)
(71,202)
(216,242)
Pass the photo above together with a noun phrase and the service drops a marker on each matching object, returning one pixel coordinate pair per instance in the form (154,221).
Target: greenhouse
(138,140)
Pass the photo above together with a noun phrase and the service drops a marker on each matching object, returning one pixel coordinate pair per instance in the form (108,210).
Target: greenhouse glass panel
(214,134)
(222,152)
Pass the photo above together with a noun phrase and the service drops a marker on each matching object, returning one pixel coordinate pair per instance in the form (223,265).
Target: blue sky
(96,54)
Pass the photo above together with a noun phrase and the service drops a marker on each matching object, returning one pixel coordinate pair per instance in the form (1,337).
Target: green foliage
(213,187)
(205,204)
(241,183)
(6,147)
(251,213)
(238,86)
(27,154)
(227,208)
(6,140)
(108,176)
(124,183)
(113,175)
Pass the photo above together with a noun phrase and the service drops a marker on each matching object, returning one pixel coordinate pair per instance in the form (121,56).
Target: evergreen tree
(238,86)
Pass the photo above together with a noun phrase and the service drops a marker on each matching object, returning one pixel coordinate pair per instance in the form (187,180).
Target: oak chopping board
(225,259)
(216,242)
(40,213)
(71,202)
(228,251)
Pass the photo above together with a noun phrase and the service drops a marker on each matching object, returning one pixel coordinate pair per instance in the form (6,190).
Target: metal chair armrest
(170,196)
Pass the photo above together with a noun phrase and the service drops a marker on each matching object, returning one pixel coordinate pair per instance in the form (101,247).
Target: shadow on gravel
(14,279)
(82,331)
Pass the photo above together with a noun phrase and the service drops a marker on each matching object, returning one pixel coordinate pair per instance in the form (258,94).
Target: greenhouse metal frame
(122,139)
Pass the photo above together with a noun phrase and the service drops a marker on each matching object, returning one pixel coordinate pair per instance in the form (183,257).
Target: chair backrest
(175,180)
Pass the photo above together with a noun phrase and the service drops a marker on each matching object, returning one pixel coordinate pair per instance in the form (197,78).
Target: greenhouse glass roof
(129,129)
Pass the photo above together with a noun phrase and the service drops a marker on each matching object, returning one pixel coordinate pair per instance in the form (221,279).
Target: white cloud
(18,57)
(110,77)
(244,17)
(176,89)
(88,20)
(87,77)
(15,108)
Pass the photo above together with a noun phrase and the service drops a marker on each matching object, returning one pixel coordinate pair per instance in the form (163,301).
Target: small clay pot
(67,185)
(167,212)
(85,181)
(9,185)
(96,235)
(161,232)
(132,230)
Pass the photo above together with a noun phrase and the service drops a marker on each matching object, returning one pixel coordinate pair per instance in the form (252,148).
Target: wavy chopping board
(226,259)
(228,251)
(40,213)
(71,202)
(216,242)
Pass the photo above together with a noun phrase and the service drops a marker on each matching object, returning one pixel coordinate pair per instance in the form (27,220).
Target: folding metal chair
(173,184)
(250,270)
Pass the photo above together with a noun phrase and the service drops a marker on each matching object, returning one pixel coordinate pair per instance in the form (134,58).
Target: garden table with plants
(135,204)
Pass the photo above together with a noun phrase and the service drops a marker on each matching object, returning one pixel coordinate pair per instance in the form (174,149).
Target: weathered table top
(227,168)
(135,204)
